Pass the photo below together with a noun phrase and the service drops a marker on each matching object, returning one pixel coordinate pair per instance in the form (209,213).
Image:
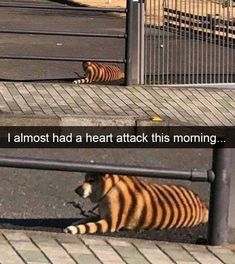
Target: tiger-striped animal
(97,72)
(131,203)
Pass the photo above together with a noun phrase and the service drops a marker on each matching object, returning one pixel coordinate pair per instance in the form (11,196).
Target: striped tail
(80,81)
(100,226)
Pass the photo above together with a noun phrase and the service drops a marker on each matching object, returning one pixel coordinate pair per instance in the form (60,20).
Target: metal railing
(127,36)
(218,176)
(189,42)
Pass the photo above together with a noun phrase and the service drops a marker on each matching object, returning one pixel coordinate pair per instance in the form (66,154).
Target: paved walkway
(194,105)
(35,247)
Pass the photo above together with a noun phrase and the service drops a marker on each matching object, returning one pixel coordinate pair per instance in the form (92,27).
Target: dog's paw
(75,82)
(71,230)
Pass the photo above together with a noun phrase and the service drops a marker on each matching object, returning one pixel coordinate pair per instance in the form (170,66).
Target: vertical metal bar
(189,49)
(227,42)
(175,46)
(154,42)
(211,42)
(198,43)
(193,45)
(172,49)
(167,45)
(223,50)
(142,42)
(232,47)
(163,48)
(128,44)
(202,43)
(215,46)
(159,41)
(180,42)
(206,45)
(145,42)
(136,44)
(219,47)
(185,44)
(219,197)
(150,42)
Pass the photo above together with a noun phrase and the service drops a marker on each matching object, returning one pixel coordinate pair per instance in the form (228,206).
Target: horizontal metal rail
(199,17)
(63,33)
(51,58)
(200,35)
(67,8)
(58,165)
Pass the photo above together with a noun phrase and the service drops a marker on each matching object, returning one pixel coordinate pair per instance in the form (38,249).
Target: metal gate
(189,42)
(24,5)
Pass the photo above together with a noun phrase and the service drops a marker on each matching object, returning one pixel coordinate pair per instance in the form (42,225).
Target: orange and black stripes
(99,72)
(127,202)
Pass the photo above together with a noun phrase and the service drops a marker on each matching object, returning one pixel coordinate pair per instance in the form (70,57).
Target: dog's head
(91,187)
(95,186)
(86,64)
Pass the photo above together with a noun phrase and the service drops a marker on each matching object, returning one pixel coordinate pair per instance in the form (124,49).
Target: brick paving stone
(53,250)
(153,253)
(176,252)
(3,104)
(202,255)
(129,253)
(224,254)
(31,256)
(121,104)
(25,248)
(78,251)
(106,254)
(94,241)
(38,98)
(19,99)
(111,100)
(16,236)
(7,253)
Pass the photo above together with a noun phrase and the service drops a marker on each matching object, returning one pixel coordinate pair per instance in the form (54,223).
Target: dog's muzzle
(84,192)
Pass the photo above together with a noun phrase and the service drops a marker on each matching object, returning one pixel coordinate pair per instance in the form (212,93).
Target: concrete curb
(75,120)
(28,120)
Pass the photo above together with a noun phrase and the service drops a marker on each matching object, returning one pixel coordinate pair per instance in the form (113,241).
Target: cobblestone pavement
(195,105)
(36,247)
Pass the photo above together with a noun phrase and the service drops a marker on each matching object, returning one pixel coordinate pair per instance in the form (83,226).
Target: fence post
(134,68)
(219,198)
(231,215)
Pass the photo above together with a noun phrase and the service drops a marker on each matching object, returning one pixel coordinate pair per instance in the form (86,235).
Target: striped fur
(97,72)
(128,202)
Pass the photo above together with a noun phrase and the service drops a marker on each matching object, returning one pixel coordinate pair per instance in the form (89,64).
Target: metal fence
(218,176)
(166,41)
(189,42)
(126,54)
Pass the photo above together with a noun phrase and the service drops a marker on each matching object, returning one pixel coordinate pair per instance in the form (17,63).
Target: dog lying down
(130,203)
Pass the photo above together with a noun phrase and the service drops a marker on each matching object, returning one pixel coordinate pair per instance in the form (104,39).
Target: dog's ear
(100,175)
